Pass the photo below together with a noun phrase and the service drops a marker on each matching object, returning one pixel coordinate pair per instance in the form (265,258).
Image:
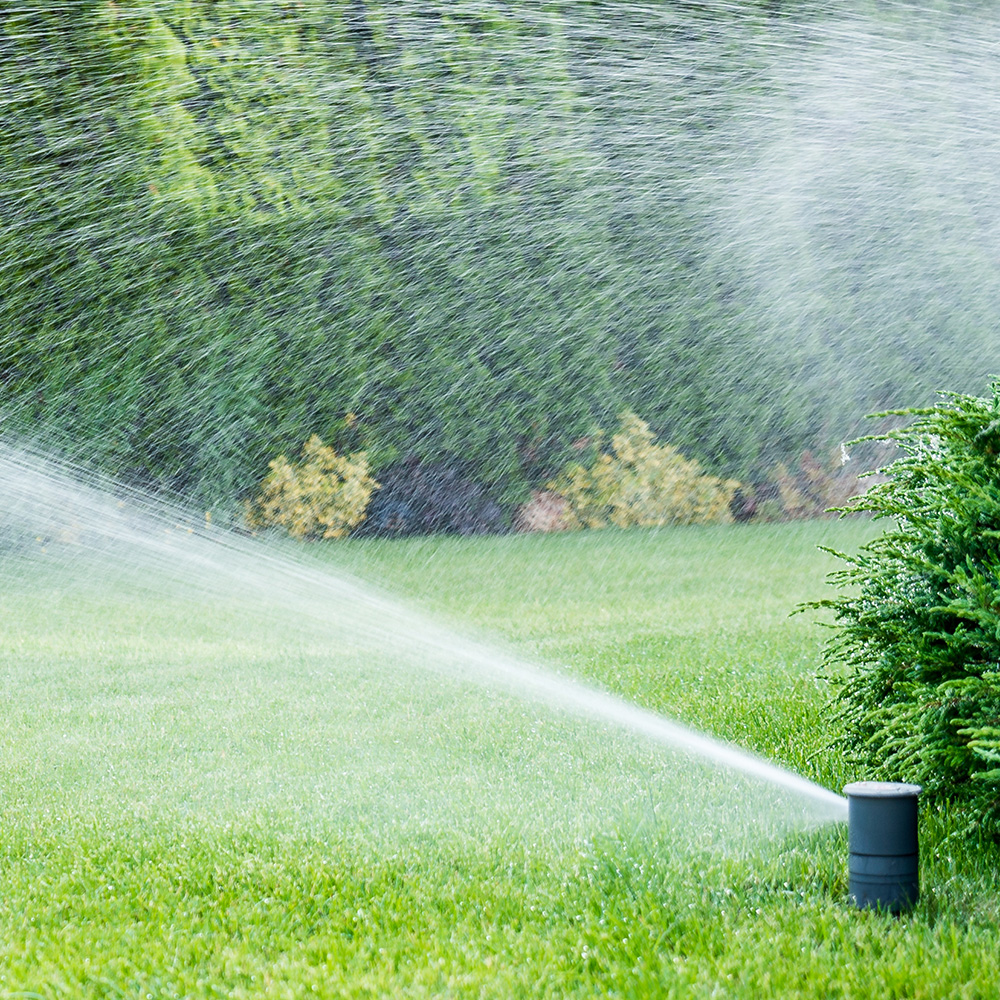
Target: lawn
(209,790)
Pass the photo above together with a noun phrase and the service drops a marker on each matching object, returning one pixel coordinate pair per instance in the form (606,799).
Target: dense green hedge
(483,230)
(237,225)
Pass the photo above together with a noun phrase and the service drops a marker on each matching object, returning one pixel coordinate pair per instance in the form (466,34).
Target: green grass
(197,801)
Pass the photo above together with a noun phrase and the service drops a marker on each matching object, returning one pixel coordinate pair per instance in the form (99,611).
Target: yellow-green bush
(642,484)
(323,496)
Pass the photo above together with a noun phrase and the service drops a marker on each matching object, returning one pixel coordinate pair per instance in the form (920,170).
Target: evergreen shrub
(919,620)
(642,484)
(323,496)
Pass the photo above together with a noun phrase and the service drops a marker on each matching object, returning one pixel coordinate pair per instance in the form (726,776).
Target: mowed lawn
(201,800)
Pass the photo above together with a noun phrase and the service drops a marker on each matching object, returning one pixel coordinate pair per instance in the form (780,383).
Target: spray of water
(149,545)
(775,217)
(805,196)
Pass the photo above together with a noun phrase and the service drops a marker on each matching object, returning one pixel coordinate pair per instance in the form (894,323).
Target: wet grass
(167,830)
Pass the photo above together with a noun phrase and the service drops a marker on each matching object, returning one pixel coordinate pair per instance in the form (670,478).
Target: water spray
(882,843)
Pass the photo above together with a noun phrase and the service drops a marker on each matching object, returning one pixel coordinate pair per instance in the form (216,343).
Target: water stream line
(122,524)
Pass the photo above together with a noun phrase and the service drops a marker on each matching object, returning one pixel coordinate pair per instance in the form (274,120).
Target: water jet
(130,541)
(882,842)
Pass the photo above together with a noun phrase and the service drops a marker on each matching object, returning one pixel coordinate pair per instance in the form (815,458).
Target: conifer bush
(323,496)
(642,484)
(919,621)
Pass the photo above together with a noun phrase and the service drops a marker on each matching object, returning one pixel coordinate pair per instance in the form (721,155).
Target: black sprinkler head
(882,841)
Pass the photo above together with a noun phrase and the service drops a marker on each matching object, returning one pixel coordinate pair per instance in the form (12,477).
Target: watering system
(882,841)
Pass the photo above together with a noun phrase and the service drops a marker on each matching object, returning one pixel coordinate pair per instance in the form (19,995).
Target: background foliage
(482,229)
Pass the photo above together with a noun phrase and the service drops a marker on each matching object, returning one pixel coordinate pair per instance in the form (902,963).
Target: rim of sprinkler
(881,789)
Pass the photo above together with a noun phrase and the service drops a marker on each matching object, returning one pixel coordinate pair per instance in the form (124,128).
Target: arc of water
(34,488)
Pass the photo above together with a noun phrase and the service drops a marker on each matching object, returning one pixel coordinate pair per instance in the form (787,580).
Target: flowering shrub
(642,484)
(323,496)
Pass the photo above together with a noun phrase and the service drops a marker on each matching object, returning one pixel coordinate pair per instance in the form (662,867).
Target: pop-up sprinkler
(882,841)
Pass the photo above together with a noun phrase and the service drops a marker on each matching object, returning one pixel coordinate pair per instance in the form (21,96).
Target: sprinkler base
(882,840)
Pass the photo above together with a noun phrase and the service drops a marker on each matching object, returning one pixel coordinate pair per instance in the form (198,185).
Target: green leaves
(485,229)
(920,620)
(231,225)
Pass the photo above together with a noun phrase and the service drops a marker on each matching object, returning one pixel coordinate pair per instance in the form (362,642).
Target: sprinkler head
(882,841)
